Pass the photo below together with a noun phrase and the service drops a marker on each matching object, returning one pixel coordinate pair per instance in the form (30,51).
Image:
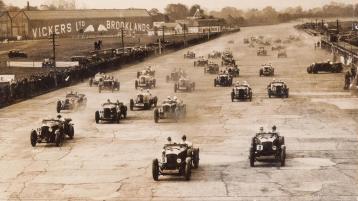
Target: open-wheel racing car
(241,92)
(267,145)
(144,100)
(111,112)
(175,75)
(282,54)
(148,71)
(71,102)
(109,84)
(233,70)
(267,70)
(212,68)
(214,55)
(53,131)
(177,159)
(325,67)
(145,82)
(228,61)
(16,54)
(278,89)
(201,62)
(224,80)
(261,51)
(170,109)
(96,79)
(189,55)
(184,84)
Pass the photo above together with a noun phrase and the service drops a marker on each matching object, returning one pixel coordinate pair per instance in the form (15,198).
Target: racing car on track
(71,102)
(144,100)
(111,112)
(170,109)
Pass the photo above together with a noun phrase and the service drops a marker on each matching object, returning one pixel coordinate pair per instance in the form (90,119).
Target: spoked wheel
(59,139)
(252,157)
(33,138)
(187,173)
(155,170)
(283,156)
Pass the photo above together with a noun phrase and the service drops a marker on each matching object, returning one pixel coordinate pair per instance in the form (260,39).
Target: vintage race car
(53,131)
(214,55)
(109,84)
(175,75)
(241,92)
(224,80)
(325,67)
(48,63)
(177,159)
(96,79)
(170,109)
(212,68)
(282,54)
(228,61)
(277,47)
(278,89)
(261,51)
(184,84)
(201,62)
(71,102)
(111,112)
(16,54)
(267,70)
(233,70)
(267,145)
(145,82)
(144,100)
(148,71)
(189,55)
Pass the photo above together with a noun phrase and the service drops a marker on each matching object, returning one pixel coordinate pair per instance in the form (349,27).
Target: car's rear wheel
(187,173)
(131,104)
(155,169)
(97,117)
(58,107)
(71,132)
(196,158)
(156,115)
(283,156)
(33,138)
(232,96)
(136,84)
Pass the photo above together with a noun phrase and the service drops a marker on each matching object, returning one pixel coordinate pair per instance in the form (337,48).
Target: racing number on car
(259,147)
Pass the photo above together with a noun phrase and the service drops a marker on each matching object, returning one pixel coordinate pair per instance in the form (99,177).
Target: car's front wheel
(252,157)
(33,138)
(187,173)
(155,169)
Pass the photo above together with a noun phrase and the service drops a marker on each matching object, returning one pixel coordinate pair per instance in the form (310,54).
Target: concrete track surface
(113,161)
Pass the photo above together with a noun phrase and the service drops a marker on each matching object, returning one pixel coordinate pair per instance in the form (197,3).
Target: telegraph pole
(122,39)
(184,36)
(54,49)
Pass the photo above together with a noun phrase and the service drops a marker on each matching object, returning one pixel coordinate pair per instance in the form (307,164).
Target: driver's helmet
(108,101)
(148,91)
(175,98)
(59,116)
(273,80)
(168,98)
(183,138)
(237,83)
(273,128)
(261,129)
(169,139)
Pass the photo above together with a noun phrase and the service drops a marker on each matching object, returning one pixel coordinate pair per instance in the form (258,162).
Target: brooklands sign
(83,27)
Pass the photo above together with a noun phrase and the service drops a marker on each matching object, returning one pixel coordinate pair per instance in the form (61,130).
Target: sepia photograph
(178,100)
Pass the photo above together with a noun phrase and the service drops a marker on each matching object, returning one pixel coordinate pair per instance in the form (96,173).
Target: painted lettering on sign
(81,25)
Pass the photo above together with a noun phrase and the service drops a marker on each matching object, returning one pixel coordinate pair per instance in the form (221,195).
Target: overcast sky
(208,4)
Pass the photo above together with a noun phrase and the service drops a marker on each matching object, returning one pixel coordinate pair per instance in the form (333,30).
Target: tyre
(131,104)
(156,115)
(250,96)
(146,106)
(232,96)
(175,88)
(283,156)
(58,107)
(155,169)
(155,101)
(96,116)
(118,117)
(187,173)
(252,157)
(215,83)
(58,139)
(269,94)
(33,138)
(136,84)
(196,159)
(71,132)
(99,89)
(138,74)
